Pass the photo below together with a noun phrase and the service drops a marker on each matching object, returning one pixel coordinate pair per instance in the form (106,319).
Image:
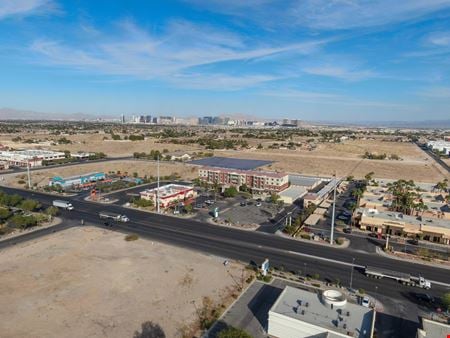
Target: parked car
(209,202)
(243,204)
(424,297)
(348,230)
(365,301)
(413,241)
(373,235)
(258,204)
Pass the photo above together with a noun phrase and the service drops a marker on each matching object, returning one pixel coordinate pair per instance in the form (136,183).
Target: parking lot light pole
(351,273)
(157,190)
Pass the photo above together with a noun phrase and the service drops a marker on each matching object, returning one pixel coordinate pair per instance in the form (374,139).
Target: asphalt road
(300,257)
(18,170)
(435,157)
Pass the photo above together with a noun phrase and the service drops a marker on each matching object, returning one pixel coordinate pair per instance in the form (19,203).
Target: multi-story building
(167,120)
(170,195)
(22,158)
(257,181)
(4,165)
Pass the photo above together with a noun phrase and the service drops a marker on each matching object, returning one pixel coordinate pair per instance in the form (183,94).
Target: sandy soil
(41,177)
(356,148)
(293,162)
(92,283)
(95,143)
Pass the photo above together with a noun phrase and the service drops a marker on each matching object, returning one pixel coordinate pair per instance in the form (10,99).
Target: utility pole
(29,174)
(351,274)
(157,190)
(334,211)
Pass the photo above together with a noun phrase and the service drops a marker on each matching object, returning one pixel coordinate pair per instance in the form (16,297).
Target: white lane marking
(325,259)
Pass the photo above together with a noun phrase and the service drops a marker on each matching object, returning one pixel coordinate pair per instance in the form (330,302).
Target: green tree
(404,196)
(52,211)
(369,176)
(23,222)
(232,332)
(230,192)
(260,146)
(30,205)
(446,301)
(274,198)
(4,214)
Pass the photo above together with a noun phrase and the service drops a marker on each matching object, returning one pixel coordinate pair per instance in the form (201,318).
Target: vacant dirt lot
(96,143)
(311,164)
(357,148)
(143,168)
(92,283)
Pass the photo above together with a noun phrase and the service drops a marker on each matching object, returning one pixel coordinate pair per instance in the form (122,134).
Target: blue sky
(340,60)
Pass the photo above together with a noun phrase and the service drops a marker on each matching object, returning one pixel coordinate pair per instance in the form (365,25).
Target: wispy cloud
(176,55)
(325,14)
(440,39)
(436,93)
(339,72)
(9,8)
(222,82)
(328,99)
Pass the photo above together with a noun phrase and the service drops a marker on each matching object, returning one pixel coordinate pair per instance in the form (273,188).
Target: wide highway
(249,246)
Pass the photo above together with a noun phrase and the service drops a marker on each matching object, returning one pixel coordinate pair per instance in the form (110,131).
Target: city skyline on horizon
(309,60)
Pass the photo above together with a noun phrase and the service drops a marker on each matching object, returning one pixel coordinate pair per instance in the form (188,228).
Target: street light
(351,273)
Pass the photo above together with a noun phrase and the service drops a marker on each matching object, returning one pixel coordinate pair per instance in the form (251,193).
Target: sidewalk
(53,222)
(413,259)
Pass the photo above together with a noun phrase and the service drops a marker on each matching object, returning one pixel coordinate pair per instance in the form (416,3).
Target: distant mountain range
(16,114)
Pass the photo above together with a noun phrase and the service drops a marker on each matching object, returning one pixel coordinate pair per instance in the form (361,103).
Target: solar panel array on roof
(232,163)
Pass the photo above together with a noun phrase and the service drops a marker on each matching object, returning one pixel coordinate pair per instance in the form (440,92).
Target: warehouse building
(292,194)
(170,195)
(300,314)
(33,158)
(77,181)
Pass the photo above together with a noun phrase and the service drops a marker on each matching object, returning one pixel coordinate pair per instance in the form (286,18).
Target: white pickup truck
(63,204)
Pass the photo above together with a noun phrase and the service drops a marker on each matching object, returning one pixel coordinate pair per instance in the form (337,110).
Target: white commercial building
(441,145)
(300,314)
(21,158)
(293,193)
(433,329)
(170,195)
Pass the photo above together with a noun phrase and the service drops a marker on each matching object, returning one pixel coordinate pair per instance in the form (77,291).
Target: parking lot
(238,211)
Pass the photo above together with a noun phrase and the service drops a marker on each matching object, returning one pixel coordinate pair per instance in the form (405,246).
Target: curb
(380,252)
(206,334)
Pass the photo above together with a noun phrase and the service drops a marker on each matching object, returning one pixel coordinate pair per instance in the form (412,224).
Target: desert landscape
(92,283)
(346,159)
(149,168)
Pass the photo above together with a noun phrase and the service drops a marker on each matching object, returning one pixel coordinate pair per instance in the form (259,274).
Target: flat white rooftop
(310,312)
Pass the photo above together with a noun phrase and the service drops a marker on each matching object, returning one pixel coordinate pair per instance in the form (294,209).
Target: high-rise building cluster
(208,121)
